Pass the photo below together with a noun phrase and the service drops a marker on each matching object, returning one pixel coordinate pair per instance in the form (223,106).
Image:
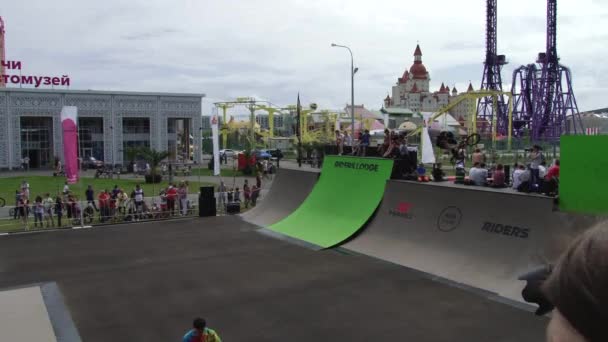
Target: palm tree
(154,158)
(131,154)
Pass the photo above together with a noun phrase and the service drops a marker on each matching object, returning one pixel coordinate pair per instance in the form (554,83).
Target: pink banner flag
(69,120)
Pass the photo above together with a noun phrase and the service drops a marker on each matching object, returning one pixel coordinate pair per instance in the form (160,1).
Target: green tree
(132,153)
(154,158)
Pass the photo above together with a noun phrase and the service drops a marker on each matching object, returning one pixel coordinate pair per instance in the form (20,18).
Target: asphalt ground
(145,282)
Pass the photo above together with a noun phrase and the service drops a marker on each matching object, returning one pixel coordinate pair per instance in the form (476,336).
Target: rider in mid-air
(447,141)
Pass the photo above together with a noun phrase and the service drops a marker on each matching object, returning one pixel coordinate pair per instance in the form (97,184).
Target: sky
(273,49)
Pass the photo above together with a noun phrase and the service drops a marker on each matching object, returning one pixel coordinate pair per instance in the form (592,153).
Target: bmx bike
(447,141)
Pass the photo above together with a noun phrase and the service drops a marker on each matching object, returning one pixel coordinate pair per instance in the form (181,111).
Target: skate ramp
(472,236)
(346,195)
(289,189)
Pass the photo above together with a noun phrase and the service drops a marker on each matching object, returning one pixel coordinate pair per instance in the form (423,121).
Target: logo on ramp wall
(370,167)
(402,210)
(449,219)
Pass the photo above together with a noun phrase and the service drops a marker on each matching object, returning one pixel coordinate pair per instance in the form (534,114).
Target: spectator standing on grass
(104,205)
(59,210)
(182,195)
(171,196)
(90,195)
(38,212)
(139,200)
(23,209)
(122,199)
(17,201)
(48,210)
(25,188)
(200,333)
(115,192)
(66,190)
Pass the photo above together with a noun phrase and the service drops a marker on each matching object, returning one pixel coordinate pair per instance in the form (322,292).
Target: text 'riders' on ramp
(477,237)
(345,196)
(289,189)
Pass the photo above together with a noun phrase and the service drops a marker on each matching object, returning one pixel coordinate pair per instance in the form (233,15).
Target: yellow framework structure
(476,95)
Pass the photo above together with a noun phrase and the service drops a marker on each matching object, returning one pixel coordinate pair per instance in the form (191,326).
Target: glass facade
(37,141)
(179,139)
(90,138)
(135,133)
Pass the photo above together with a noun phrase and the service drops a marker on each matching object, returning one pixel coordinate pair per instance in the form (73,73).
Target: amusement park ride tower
(545,105)
(555,109)
(489,113)
(2,53)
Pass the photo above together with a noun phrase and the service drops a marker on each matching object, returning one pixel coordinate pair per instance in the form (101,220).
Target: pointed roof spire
(388,98)
(418,52)
(415,88)
(470,87)
(442,88)
(454,90)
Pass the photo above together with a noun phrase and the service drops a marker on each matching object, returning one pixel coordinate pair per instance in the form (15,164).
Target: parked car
(228,153)
(275,153)
(262,154)
(91,163)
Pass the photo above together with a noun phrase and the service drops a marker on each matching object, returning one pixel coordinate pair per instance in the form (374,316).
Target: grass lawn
(40,185)
(224,172)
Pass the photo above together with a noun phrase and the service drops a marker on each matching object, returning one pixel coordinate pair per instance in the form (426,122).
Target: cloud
(275,49)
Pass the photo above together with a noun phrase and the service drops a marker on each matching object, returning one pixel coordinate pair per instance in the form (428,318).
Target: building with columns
(108,123)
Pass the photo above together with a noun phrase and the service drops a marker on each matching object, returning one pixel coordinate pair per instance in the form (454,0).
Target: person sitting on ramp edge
(200,333)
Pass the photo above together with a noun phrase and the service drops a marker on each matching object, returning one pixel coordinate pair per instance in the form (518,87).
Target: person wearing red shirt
(552,179)
(553,171)
(171,195)
(104,206)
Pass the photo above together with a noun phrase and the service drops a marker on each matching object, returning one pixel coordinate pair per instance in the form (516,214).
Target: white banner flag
(216,142)
(428,156)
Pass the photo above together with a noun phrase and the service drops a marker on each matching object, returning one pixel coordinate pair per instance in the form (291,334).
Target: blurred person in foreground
(576,290)
(200,333)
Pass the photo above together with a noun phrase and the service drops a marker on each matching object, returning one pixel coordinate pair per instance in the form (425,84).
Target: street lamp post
(352,88)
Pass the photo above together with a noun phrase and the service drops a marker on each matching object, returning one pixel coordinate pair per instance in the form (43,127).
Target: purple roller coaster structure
(492,79)
(545,106)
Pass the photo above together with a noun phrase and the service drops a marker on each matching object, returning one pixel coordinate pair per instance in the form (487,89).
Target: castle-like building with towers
(412,91)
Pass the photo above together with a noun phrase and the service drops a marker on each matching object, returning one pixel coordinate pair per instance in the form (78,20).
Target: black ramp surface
(146,282)
(473,236)
(289,189)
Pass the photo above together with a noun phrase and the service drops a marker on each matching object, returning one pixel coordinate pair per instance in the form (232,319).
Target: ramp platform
(345,197)
(289,189)
(476,237)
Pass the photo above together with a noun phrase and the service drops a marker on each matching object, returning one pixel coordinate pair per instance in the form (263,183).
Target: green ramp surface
(583,182)
(344,198)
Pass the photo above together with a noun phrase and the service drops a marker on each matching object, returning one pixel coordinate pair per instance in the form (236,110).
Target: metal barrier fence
(87,213)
